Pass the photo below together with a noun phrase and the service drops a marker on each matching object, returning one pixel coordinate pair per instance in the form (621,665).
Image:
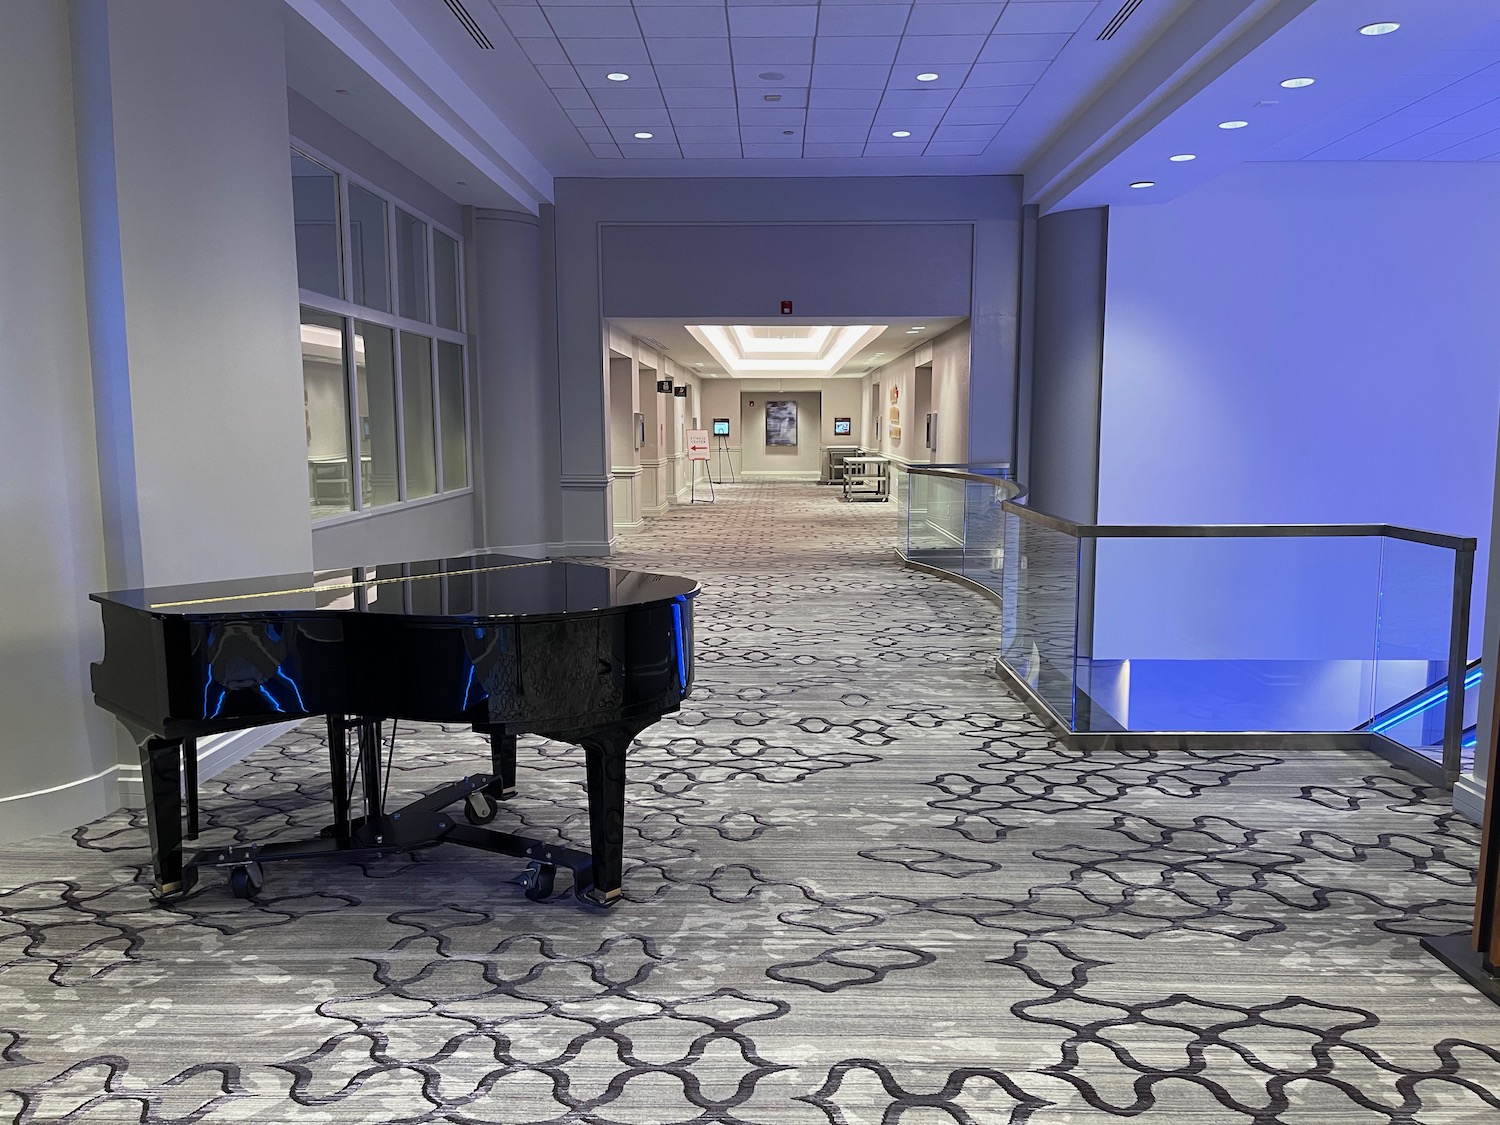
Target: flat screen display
(721,427)
(841,427)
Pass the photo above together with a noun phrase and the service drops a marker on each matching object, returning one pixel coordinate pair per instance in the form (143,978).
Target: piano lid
(472,586)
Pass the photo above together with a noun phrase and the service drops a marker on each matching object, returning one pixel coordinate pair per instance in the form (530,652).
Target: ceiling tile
(723,151)
(978,115)
(542,51)
(680,4)
(837,77)
(647,97)
(708,134)
(560,77)
(1006,74)
(895,148)
(618,119)
(992,95)
(574,99)
(1474,148)
(575,3)
(1022,48)
(605,152)
(770,134)
(773,52)
(625,134)
(863,118)
(1414,148)
(935,50)
(832,150)
(717,99)
(596,77)
(607,52)
(650,150)
(953,19)
(772,21)
(528,21)
(583,117)
(692,52)
(683,23)
(773,150)
(878,49)
(905,117)
(917,99)
(594,23)
(671,75)
(965,133)
(771,116)
(708,115)
(1045,16)
(949,77)
(748,76)
(822,98)
(837,134)
(862,19)
(956,148)
(596,135)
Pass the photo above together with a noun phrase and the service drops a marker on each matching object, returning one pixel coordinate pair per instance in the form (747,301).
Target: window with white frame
(382,345)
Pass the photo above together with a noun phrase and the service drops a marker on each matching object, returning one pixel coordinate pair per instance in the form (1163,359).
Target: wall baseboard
(782,474)
(1468,798)
(215,754)
(628,528)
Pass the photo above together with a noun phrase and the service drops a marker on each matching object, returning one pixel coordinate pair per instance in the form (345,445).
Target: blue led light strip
(1425,702)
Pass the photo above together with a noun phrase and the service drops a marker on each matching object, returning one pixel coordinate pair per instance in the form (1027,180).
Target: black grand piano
(590,655)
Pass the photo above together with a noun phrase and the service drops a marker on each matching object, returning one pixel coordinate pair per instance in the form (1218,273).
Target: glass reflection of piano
(584,654)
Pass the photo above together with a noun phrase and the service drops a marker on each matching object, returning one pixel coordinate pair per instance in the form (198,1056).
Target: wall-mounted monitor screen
(721,427)
(842,427)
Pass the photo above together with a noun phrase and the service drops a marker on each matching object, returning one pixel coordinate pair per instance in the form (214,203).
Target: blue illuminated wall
(1297,342)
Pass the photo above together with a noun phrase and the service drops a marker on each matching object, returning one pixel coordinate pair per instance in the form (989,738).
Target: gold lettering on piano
(327,587)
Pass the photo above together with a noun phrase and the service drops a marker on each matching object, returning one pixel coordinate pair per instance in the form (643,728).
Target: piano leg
(604,764)
(190,783)
(503,765)
(371,767)
(338,772)
(161,774)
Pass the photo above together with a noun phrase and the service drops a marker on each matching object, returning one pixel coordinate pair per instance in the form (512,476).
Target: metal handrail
(1207,530)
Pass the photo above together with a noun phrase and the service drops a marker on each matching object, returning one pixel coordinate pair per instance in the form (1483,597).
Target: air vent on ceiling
(654,345)
(475,31)
(1127,9)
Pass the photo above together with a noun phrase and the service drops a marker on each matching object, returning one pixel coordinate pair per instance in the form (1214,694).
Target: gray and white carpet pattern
(862,886)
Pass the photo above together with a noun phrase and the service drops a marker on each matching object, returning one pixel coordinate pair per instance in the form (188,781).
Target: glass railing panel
(1413,632)
(1040,609)
(984,534)
(935,521)
(1230,634)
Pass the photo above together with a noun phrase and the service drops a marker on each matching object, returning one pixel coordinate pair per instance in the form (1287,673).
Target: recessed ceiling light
(901,133)
(919,328)
(1143,184)
(789,132)
(644,136)
(618,76)
(770,76)
(771,97)
(462,183)
(1297,83)
(1379,28)
(928,77)
(1183,157)
(1233,124)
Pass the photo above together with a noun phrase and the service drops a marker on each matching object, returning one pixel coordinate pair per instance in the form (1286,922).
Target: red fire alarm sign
(786,308)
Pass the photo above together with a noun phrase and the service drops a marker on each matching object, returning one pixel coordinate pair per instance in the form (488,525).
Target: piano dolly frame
(169,769)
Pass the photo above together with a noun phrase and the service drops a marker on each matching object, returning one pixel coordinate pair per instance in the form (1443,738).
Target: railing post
(1458,657)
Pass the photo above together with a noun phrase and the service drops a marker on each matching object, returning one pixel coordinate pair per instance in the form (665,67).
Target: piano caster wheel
(479,807)
(246,881)
(538,880)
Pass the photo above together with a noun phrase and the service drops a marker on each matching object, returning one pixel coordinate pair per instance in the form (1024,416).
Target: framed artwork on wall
(781,421)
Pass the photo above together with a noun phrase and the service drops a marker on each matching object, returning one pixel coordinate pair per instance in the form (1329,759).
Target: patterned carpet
(863,886)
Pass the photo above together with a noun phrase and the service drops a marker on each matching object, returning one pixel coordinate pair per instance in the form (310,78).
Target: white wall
(949,356)
(52,552)
(801,461)
(1304,342)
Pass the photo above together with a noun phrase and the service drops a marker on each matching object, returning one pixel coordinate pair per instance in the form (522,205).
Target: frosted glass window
(445,279)
(417,414)
(369,249)
(451,415)
(315,211)
(325,398)
(411,265)
(375,378)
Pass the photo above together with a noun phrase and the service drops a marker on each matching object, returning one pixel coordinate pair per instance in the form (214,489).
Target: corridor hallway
(862,885)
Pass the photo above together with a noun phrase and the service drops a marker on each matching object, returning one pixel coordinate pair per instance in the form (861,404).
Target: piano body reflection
(590,655)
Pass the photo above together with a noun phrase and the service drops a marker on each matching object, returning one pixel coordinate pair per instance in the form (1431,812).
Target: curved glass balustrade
(1275,634)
